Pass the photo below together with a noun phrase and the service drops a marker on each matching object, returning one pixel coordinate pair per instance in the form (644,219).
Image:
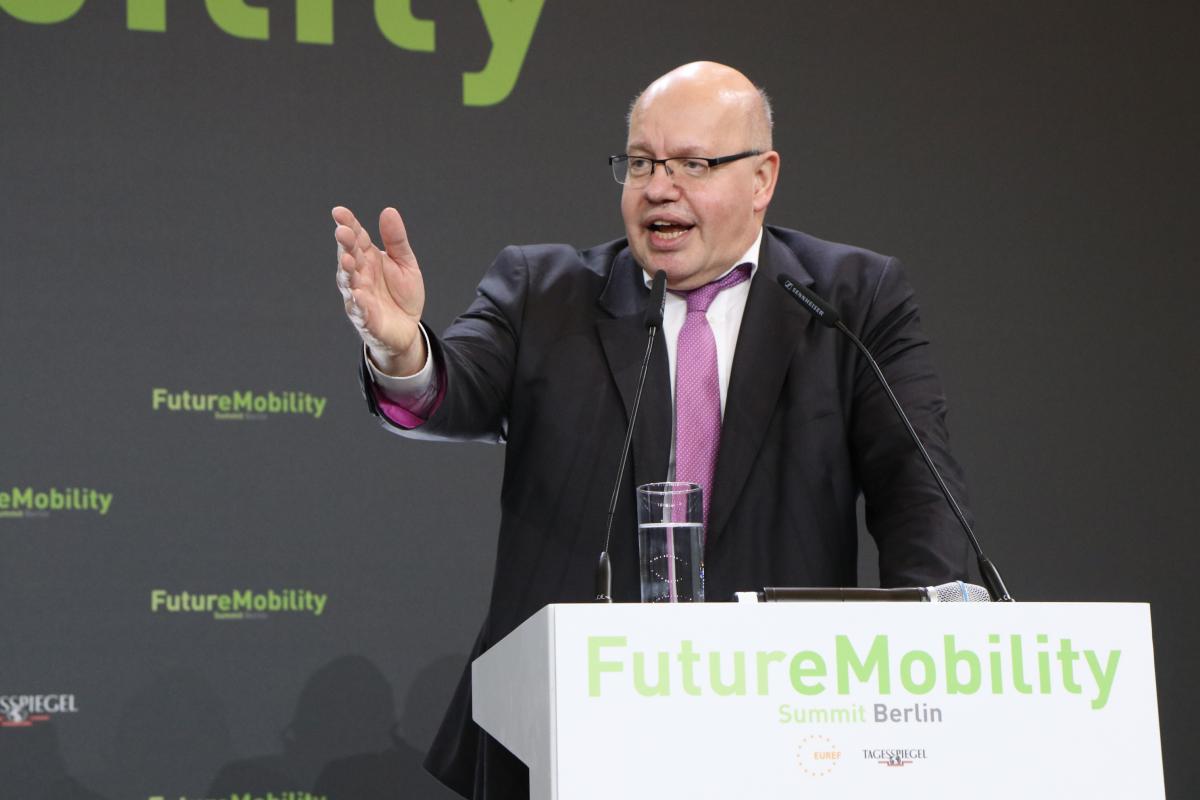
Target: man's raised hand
(383,291)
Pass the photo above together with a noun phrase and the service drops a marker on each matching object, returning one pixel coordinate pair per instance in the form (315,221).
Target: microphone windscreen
(826,314)
(958,592)
(658,299)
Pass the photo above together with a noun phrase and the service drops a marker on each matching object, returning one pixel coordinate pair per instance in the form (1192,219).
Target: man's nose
(662,184)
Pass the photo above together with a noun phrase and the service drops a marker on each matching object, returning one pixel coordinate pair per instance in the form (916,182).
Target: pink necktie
(698,389)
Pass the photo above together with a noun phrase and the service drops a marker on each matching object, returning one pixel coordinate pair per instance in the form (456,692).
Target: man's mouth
(665,230)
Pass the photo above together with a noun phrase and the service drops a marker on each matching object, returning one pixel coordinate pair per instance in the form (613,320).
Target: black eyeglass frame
(613,160)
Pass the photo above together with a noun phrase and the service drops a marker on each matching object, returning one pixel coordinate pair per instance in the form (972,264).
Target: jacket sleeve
(475,358)
(919,539)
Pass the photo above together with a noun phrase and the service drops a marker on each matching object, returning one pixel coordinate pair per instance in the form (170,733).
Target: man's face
(694,229)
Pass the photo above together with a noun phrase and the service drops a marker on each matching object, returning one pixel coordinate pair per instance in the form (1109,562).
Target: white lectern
(828,700)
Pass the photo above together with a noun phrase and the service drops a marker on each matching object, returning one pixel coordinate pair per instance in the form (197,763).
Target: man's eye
(694,167)
(639,164)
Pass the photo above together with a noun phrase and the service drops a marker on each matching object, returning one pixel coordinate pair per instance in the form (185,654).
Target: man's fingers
(346,261)
(356,242)
(347,230)
(381,301)
(362,239)
(395,237)
(356,255)
(350,233)
(345,238)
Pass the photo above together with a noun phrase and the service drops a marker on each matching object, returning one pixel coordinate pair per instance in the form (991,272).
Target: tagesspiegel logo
(26,501)
(27,710)
(240,604)
(893,757)
(238,405)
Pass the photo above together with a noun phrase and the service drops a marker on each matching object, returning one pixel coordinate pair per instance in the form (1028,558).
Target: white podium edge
(519,712)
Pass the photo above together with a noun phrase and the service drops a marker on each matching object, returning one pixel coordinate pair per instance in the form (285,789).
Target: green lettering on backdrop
(398,25)
(146,15)
(510,25)
(314,21)
(23,499)
(238,19)
(42,12)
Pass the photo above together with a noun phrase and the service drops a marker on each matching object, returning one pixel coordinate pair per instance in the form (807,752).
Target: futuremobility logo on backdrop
(26,710)
(239,604)
(238,405)
(509,23)
(25,501)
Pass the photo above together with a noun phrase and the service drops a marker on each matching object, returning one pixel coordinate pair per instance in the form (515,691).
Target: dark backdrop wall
(166,171)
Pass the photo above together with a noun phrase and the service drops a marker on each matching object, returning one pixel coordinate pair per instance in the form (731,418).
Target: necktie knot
(700,298)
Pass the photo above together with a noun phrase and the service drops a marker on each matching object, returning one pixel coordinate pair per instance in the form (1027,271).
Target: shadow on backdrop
(32,768)
(169,738)
(346,708)
(397,772)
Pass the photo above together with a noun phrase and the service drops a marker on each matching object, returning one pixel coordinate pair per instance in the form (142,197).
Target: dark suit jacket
(546,359)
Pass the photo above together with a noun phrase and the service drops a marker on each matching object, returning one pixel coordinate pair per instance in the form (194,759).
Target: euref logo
(239,604)
(25,501)
(509,23)
(817,755)
(238,405)
(26,710)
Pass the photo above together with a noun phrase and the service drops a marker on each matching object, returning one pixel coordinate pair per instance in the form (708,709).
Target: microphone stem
(633,415)
(988,572)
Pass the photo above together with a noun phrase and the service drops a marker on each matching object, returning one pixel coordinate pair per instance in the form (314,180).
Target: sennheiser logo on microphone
(810,305)
(796,293)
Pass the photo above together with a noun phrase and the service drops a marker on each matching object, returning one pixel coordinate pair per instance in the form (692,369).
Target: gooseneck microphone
(827,315)
(953,592)
(653,321)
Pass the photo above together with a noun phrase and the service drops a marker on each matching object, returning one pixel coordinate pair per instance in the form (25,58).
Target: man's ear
(766,175)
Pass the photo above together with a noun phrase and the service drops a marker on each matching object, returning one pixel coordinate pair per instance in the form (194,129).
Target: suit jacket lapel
(623,338)
(772,327)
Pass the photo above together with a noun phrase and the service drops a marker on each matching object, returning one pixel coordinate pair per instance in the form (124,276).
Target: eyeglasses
(638,170)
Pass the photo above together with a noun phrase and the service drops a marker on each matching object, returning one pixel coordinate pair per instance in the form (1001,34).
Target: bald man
(547,357)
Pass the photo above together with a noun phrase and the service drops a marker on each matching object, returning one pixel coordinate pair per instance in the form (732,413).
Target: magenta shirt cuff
(402,417)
